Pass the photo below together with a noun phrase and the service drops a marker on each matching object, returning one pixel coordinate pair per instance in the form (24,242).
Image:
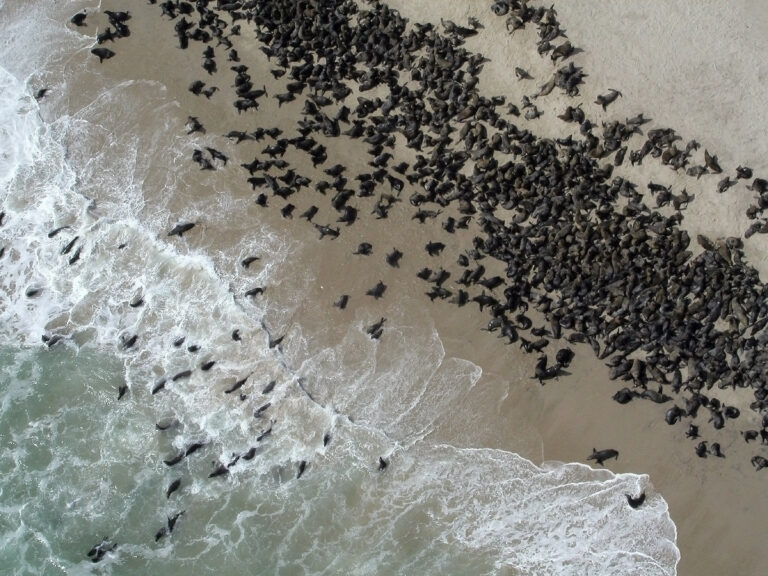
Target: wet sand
(715,503)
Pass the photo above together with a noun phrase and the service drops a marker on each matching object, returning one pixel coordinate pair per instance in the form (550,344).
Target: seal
(364,249)
(269,387)
(181,228)
(102,53)
(378,290)
(78,19)
(237,385)
(635,502)
(97,553)
(247,261)
(601,456)
(341,303)
(175,460)
(605,99)
(175,485)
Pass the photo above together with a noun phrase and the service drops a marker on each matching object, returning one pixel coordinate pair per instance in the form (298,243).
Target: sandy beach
(699,69)
(715,503)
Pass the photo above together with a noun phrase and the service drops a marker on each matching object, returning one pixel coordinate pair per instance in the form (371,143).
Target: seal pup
(194,447)
(327,231)
(33,291)
(160,385)
(196,87)
(97,553)
(349,215)
(117,17)
(564,357)
(259,412)
(175,485)
(422,215)
(193,125)
(287,211)
(269,387)
(237,385)
(522,74)
(238,136)
(309,213)
(182,375)
(167,423)
(55,231)
(168,528)
(601,456)
(181,228)
(341,303)
(76,256)
(759,462)
(79,18)
(67,248)
(265,433)
(605,99)
(217,155)
(711,162)
(393,258)
(743,172)
(247,261)
(434,248)
(635,502)
(175,460)
(364,249)
(102,53)
(378,290)
(544,372)
(220,470)
(674,414)
(749,435)
(209,65)
(128,341)
(375,330)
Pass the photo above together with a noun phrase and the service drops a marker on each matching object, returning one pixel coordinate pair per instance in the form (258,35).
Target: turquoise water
(60,454)
(82,465)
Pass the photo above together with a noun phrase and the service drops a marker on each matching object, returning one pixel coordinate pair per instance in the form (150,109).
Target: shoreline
(554,412)
(565,436)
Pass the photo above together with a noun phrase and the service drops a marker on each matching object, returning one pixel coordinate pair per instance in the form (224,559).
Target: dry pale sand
(698,71)
(699,67)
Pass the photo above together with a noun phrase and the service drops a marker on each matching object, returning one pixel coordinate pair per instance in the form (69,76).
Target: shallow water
(83,465)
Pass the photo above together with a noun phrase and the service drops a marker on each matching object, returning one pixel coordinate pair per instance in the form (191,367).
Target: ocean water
(78,464)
